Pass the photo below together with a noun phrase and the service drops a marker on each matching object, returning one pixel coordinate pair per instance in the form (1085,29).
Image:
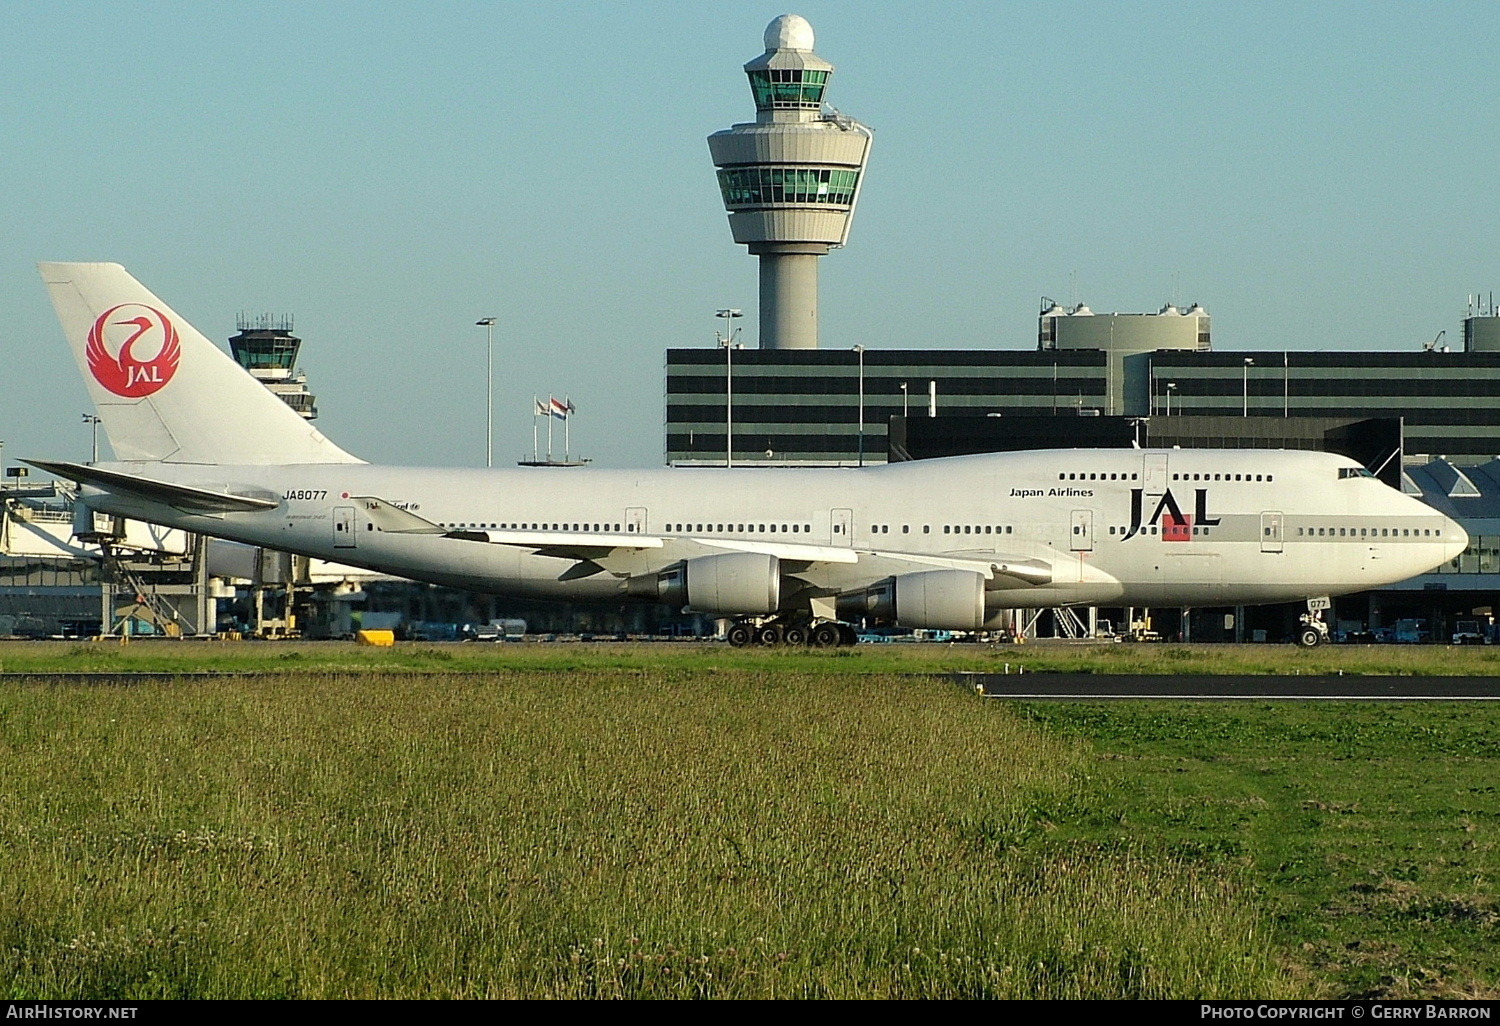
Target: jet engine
(727,584)
(950,599)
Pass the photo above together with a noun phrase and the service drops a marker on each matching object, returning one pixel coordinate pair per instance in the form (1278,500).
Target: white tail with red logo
(165,392)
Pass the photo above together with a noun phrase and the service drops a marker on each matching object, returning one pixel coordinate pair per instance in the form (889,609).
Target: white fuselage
(1113,526)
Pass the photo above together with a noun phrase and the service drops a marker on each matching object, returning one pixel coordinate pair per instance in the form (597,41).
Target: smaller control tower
(790,180)
(266,347)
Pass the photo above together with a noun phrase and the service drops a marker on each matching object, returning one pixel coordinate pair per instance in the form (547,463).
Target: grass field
(173,656)
(621,821)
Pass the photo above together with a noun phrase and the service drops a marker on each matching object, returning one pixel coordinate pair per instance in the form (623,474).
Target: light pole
(726,342)
(93,422)
(860,351)
(1248,364)
(905,395)
(1171,387)
(488,324)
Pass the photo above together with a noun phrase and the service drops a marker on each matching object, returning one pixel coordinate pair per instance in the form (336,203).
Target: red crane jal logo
(133,350)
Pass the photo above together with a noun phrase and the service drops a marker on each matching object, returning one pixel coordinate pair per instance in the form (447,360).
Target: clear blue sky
(1318,175)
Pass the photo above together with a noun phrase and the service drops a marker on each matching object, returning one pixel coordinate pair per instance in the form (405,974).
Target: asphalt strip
(1239,687)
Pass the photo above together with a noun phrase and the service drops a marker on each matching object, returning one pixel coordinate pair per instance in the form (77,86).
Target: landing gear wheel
(739,635)
(847,635)
(795,635)
(1309,637)
(769,636)
(827,635)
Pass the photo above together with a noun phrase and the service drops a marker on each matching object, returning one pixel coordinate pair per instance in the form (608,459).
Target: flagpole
(550,418)
(567,429)
(535,403)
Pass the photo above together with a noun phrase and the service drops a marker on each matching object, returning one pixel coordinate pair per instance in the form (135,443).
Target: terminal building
(832,407)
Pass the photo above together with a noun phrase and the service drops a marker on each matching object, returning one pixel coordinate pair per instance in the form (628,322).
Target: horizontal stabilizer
(183,497)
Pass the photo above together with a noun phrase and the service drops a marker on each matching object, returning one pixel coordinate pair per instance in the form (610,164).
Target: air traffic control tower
(790,180)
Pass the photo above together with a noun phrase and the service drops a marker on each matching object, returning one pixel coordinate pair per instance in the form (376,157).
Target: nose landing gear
(1313,631)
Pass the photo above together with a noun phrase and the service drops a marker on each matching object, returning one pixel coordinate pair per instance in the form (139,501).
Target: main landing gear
(792,633)
(1312,631)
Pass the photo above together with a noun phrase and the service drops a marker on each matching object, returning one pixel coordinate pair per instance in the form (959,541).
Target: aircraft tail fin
(165,392)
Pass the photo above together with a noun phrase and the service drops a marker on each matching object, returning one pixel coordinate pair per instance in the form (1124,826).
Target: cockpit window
(1345,472)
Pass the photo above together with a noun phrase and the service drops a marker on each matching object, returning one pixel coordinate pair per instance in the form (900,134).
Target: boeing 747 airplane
(789,555)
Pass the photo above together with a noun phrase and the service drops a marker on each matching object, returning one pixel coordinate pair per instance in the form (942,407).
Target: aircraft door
(1154,478)
(343,527)
(842,529)
(1272,531)
(1082,535)
(635,520)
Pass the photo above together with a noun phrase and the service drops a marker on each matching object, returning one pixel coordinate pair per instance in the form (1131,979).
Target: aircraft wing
(589,550)
(566,544)
(182,497)
(563,544)
(787,552)
(1005,570)
(394,519)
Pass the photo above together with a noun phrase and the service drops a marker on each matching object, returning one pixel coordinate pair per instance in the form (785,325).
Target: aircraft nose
(1455,539)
